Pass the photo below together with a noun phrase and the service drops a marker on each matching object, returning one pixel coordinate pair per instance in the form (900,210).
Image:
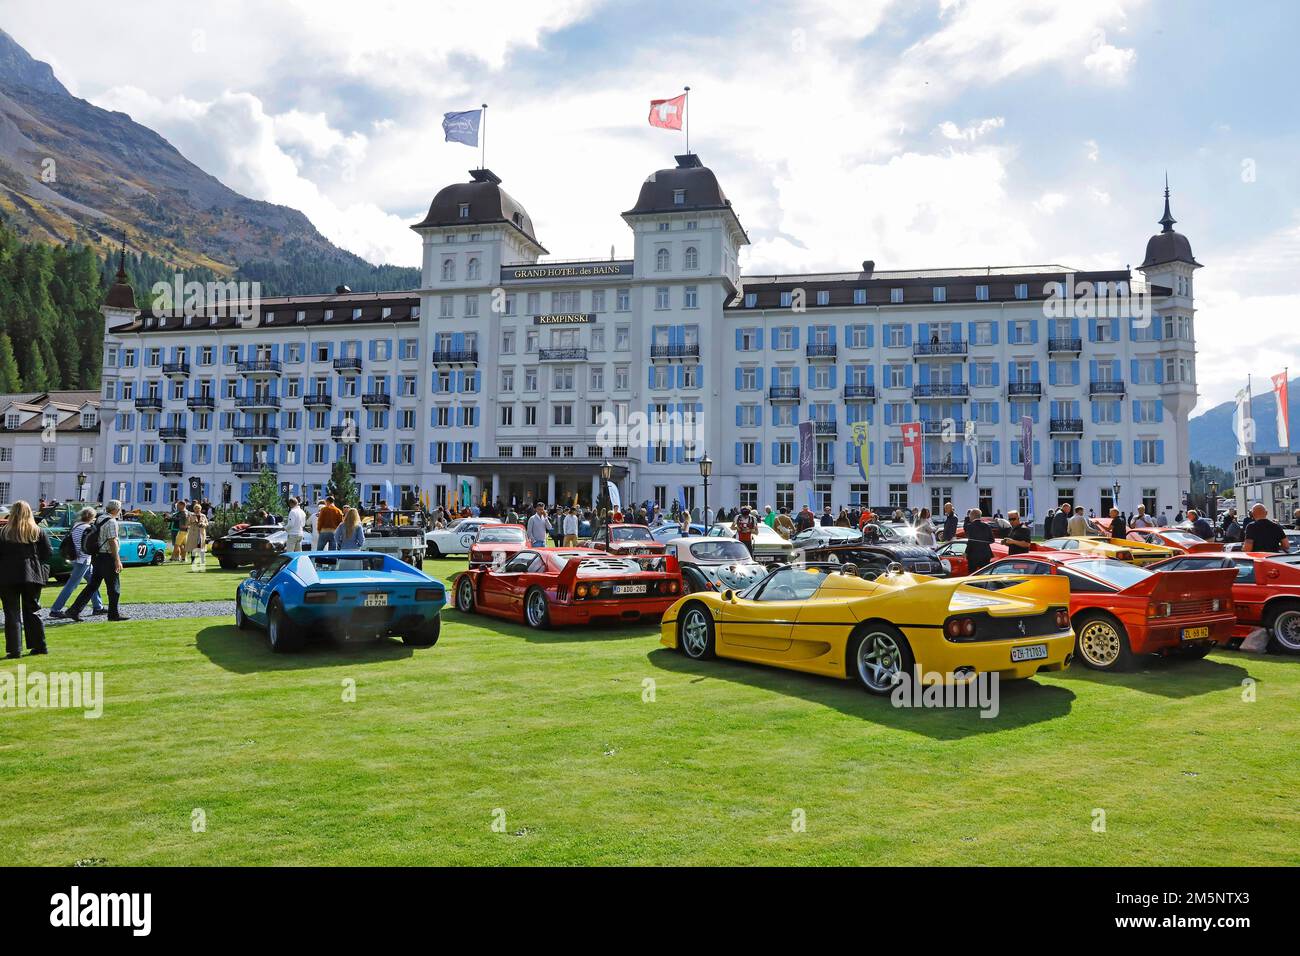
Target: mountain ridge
(1212,439)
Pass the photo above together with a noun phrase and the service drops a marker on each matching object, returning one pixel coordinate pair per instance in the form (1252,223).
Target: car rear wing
(1173,585)
(665,564)
(1051,589)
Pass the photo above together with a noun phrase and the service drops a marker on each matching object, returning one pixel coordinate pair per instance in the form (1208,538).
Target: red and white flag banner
(1283,412)
(668,114)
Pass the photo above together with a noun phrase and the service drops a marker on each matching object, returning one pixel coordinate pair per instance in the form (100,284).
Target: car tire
(536,610)
(1101,643)
(424,636)
(433,551)
(879,657)
(695,633)
(465,594)
(227,565)
(158,558)
(281,634)
(1283,625)
(693,581)
(241,619)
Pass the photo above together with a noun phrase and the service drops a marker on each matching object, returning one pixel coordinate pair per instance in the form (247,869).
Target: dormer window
(518,219)
(12,420)
(751,299)
(385,312)
(464,210)
(1022,290)
(356,313)
(89,419)
(896,296)
(939,293)
(270,317)
(679,197)
(415,311)
(981,293)
(301,316)
(663,226)
(329,314)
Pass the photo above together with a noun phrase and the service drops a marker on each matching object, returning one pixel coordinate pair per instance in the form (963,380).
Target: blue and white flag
(462,127)
(614,498)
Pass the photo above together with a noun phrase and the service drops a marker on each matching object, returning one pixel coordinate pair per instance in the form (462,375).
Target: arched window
(472,271)
(692,258)
(661,260)
(448,269)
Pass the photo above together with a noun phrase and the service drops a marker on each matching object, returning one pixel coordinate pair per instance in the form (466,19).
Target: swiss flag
(667,114)
(912,439)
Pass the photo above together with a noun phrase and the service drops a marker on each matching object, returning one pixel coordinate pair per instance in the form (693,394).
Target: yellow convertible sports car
(1118,549)
(828,620)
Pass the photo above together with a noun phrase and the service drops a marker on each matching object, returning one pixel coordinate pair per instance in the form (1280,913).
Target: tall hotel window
(662,261)
(597,338)
(448,269)
(446,307)
(534,303)
(507,341)
(623,300)
(474,269)
(661,297)
(692,258)
(510,305)
(622,338)
(692,300)
(531,340)
(471,306)
(896,296)
(597,300)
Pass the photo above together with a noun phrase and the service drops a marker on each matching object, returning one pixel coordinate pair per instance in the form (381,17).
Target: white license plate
(243,544)
(629,589)
(1195,633)
(1029,652)
(379,599)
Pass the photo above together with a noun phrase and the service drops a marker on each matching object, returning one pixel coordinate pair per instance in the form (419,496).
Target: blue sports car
(136,547)
(347,594)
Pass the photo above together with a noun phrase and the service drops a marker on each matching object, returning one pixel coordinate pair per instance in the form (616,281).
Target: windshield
(1118,573)
(512,535)
(323,562)
(1178,537)
(630,534)
(719,552)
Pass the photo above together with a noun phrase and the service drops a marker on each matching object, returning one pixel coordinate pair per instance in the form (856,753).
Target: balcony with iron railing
(251,467)
(1106,388)
(259,367)
(939,350)
(1067,469)
(172,433)
(452,357)
(176,369)
(377,400)
(562,355)
(258,400)
(1065,426)
(783,393)
(166,467)
(671,353)
(1064,346)
(317,400)
(344,432)
(1024,389)
(947,469)
(201,401)
(821,351)
(149,401)
(824,469)
(831,428)
(941,391)
(256,433)
(859,392)
(940,426)
(348,363)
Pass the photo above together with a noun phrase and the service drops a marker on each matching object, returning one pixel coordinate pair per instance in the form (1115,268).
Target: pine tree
(342,486)
(264,495)
(9,379)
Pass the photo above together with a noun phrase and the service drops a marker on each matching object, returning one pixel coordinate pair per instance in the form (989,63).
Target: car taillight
(959,627)
(1123,555)
(430,594)
(1062,620)
(580,591)
(321,597)
(1163,609)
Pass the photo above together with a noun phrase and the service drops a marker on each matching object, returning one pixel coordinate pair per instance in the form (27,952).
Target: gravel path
(155,612)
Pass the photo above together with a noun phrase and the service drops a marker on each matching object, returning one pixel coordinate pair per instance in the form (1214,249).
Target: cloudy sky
(913,133)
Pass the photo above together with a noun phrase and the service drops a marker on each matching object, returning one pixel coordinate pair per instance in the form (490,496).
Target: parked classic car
(1174,538)
(627,539)
(819,536)
(399,533)
(873,558)
(768,545)
(1118,549)
(456,538)
(134,545)
(823,621)
(714,564)
(497,544)
(350,595)
(1265,592)
(672,531)
(559,586)
(1120,610)
(953,555)
(256,544)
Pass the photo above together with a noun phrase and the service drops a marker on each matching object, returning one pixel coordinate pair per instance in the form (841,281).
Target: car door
(954,552)
(501,589)
(761,627)
(251,600)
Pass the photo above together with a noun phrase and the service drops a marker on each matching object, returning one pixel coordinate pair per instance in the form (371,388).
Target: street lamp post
(706,469)
(606,472)
(1212,505)
(1114,496)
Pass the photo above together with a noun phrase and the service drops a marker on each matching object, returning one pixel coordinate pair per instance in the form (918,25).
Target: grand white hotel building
(498,372)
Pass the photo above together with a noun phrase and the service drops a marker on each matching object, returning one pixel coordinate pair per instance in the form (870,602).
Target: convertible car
(353,595)
(714,564)
(627,539)
(457,538)
(497,544)
(821,536)
(824,621)
(1120,610)
(1118,549)
(257,544)
(768,545)
(873,558)
(1180,541)
(672,531)
(558,586)
(1265,591)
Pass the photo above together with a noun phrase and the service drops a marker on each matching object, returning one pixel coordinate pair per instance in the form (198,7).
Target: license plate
(1029,652)
(629,589)
(243,544)
(1195,633)
(379,599)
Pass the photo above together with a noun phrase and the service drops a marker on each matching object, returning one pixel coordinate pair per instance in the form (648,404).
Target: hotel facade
(515,375)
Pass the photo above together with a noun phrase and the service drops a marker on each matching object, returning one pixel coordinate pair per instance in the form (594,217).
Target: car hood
(735,576)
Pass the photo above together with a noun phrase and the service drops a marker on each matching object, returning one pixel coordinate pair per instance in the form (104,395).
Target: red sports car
(1266,593)
(496,544)
(954,552)
(1176,538)
(546,586)
(1120,610)
(627,539)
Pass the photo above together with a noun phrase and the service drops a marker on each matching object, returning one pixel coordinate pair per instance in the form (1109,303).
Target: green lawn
(552,729)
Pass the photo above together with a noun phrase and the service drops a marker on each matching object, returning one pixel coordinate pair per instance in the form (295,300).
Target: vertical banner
(807,445)
(1027,445)
(1283,411)
(860,436)
(465,494)
(972,448)
(614,499)
(1244,424)
(912,439)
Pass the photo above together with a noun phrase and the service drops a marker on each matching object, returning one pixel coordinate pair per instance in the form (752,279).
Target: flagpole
(482,161)
(687,103)
(1286,387)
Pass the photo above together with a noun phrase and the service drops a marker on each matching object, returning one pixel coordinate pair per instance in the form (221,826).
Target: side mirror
(729,596)
(894,568)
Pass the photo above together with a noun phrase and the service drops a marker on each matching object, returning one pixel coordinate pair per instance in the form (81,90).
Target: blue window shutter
(1133,368)
(1160,410)
(834,370)
(1160,371)
(794,336)
(997,373)
(889,415)
(758,453)
(796,376)
(1092,330)
(871,336)
(1118,450)
(1033,331)
(1092,370)
(1074,372)
(957,374)
(1137,450)
(739,413)
(758,338)
(776,452)
(738,453)
(925,333)
(907,376)
(1051,373)
(907,335)
(681,376)
(1096,453)
(925,374)
(871,375)
(373,349)
(997,409)
(1074,328)
(970,331)
(1037,457)
(1114,330)
(1160,451)
(833,342)
(652,375)
(1115,369)
(758,414)
(738,340)
(758,378)
(996,453)
(1033,372)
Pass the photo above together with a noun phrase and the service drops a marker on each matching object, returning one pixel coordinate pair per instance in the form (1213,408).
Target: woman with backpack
(78,565)
(24,568)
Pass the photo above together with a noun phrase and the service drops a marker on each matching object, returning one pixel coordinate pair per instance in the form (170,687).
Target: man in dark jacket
(1017,539)
(1061,522)
(105,566)
(949,530)
(805,519)
(1118,526)
(1200,526)
(979,539)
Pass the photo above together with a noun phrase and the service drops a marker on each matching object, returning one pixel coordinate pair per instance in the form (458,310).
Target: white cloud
(1093,150)
(972,132)
(1109,62)
(1049,202)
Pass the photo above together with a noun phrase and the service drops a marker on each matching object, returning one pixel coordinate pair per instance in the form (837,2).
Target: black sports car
(254,544)
(873,558)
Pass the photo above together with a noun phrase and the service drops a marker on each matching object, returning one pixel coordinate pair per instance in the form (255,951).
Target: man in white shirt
(295,524)
(1140,520)
(571,528)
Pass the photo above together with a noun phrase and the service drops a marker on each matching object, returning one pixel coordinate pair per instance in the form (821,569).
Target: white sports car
(456,538)
(768,545)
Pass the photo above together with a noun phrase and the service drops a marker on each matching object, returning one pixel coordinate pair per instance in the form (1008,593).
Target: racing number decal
(143,550)
(466,540)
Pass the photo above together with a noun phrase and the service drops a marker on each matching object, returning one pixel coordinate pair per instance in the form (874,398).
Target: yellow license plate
(376,599)
(1195,633)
